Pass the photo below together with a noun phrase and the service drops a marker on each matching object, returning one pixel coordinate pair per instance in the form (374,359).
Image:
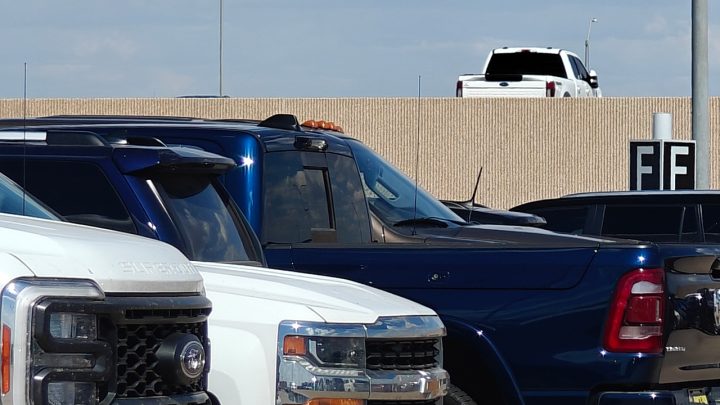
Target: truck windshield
(209,224)
(526,63)
(391,195)
(14,200)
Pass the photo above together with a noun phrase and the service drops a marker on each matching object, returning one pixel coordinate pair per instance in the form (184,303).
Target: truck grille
(136,360)
(402,354)
(141,327)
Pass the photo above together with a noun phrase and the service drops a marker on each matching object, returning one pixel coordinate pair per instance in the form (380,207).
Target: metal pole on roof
(221,48)
(700,100)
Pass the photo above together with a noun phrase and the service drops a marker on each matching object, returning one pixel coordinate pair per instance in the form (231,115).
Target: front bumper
(311,382)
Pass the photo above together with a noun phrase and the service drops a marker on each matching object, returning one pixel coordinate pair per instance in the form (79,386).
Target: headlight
(327,351)
(71,393)
(63,362)
(67,325)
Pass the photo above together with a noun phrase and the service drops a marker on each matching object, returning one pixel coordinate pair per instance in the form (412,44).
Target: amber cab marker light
(327,125)
(5,359)
(294,346)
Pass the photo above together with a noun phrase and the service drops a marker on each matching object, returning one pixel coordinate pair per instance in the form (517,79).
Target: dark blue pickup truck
(533,317)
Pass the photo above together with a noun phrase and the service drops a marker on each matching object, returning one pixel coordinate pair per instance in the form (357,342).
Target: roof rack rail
(74,138)
(282,121)
(123,117)
(238,120)
(62,137)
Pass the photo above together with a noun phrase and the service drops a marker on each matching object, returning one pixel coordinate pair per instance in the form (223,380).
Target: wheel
(456,396)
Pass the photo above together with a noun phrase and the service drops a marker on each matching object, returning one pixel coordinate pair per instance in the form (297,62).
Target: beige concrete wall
(528,148)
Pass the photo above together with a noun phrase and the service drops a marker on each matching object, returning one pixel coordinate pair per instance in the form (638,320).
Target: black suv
(658,216)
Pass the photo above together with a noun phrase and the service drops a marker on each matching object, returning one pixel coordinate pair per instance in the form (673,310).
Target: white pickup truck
(530,72)
(91,316)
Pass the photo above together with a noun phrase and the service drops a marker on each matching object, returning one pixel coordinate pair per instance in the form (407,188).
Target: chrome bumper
(310,382)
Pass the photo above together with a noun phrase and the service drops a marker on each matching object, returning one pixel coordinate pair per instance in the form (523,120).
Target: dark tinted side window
(204,219)
(711,222)
(564,219)
(579,68)
(305,203)
(676,223)
(78,191)
(350,206)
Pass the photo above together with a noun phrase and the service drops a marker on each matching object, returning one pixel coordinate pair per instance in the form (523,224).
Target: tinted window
(205,221)
(15,200)
(78,191)
(305,203)
(351,211)
(568,220)
(529,63)
(653,223)
(579,68)
(711,222)
(391,195)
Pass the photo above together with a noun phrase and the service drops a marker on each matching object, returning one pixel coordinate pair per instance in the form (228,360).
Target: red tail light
(550,89)
(458,88)
(637,312)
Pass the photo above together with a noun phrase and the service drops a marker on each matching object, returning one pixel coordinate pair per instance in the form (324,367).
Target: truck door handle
(439,276)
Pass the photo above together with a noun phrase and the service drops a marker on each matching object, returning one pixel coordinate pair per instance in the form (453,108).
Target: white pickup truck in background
(530,72)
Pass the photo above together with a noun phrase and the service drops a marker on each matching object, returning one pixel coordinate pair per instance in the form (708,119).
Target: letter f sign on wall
(662,165)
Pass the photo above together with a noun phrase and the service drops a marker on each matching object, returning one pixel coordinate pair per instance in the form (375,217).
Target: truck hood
(334,300)
(117,262)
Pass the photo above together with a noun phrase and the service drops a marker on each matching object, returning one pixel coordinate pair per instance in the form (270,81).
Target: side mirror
(593,79)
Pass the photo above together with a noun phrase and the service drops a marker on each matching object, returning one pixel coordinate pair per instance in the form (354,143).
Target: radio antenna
(24,181)
(471,201)
(417,155)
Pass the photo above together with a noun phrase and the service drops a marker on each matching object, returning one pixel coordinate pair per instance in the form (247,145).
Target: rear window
(528,63)
(671,223)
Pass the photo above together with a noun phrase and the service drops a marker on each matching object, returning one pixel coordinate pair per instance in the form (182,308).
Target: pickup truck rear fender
(477,364)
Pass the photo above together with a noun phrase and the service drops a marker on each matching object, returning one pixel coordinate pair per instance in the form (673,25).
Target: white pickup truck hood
(332,299)
(117,262)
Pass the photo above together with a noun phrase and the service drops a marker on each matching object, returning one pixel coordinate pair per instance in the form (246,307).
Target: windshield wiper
(426,221)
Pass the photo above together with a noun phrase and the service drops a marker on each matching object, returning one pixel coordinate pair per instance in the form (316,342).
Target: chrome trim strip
(406,327)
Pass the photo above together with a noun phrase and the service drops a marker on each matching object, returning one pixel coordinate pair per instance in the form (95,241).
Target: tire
(456,396)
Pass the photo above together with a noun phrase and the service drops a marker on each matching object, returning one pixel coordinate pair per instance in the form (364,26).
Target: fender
(472,350)
(240,372)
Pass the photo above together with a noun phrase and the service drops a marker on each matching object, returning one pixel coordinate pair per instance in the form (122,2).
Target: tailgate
(692,350)
(527,87)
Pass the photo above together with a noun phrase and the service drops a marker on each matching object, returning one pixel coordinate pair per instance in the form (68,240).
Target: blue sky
(332,48)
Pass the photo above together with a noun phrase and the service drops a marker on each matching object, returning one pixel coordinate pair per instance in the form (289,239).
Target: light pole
(587,44)
(221,47)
